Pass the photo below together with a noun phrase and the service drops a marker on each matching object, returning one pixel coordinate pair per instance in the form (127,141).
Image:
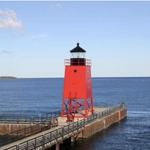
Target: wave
(139,113)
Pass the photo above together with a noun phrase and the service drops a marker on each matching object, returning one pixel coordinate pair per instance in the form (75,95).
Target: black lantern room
(78,56)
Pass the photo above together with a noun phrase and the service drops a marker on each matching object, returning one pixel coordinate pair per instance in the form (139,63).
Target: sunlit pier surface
(64,133)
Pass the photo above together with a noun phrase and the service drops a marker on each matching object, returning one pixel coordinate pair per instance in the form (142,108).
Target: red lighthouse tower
(77,100)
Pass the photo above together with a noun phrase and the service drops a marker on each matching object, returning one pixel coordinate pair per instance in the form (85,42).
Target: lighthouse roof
(77,49)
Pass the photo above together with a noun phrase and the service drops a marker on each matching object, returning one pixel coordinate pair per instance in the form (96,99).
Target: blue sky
(35,37)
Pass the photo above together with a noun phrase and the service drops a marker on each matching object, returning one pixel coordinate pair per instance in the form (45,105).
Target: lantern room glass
(78,55)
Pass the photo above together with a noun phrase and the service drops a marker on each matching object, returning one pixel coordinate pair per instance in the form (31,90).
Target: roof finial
(78,44)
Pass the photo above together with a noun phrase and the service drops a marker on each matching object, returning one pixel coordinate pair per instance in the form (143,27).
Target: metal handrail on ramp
(53,136)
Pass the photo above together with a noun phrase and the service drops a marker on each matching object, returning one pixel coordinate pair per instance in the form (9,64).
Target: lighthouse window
(75,70)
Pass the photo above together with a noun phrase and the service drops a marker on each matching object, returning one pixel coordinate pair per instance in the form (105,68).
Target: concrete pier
(69,132)
(9,127)
(102,123)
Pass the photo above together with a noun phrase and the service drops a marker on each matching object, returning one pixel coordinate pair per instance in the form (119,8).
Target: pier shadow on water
(100,139)
(5,139)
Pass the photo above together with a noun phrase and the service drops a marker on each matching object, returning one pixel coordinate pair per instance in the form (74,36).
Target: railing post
(62,132)
(17,147)
(43,142)
(77,125)
(84,122)
(56,133)
(27,146)
(73,127)
(35,143)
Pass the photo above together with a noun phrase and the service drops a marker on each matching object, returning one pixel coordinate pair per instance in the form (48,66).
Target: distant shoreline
(12,77)
(7,77)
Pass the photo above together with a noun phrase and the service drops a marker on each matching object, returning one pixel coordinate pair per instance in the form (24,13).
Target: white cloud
(56,5)
(38,36)
(8,19)
(5,52)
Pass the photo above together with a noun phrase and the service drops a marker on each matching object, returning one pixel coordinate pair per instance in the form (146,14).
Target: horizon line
(63,77)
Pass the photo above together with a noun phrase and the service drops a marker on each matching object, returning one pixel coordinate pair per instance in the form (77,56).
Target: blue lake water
(37,96)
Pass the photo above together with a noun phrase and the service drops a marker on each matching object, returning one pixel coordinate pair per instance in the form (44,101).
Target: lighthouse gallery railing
(68,62)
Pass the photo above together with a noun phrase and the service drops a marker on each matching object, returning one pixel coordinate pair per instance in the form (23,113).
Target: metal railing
(29,130)
(8,117)
(68,62)
(22,133)
(48,138)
